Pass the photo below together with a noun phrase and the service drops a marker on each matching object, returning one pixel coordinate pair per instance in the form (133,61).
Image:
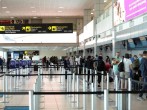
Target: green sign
(36,28)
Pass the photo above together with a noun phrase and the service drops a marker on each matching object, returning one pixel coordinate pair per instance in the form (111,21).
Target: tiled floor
(61,102)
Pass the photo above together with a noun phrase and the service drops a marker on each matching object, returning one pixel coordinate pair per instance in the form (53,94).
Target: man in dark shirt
(143,69)
(1,64)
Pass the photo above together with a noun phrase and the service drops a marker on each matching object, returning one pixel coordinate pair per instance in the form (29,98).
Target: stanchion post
(107,81)
(93,99)
(102,84)
(129,95)
(4,88)
(31,107)
(84,95)
(95,82)
(106,102)
(90,79)
(77,91)
(116,88)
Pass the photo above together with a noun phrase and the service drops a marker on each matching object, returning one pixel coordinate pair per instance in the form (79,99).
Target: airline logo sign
(36,28)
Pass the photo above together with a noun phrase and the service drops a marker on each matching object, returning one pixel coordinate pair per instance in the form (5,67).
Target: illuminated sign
(36,28)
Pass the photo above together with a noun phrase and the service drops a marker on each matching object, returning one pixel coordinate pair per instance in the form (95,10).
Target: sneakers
(140,99)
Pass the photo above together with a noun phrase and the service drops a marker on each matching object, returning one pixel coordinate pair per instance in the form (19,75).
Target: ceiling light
(4,7)
(33,11)
(60,11)
(12,17)
(92,13)
(34,17)
(105,0)
(32,7)
(7,11)
(61,7)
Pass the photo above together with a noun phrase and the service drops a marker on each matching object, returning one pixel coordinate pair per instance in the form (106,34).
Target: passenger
(100,68)
(115,63)
(125,74)
(143,68)
(1,64)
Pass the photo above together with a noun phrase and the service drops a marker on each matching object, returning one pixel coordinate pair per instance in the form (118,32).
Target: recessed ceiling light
(4,7)
(61,7)
(60,11)
(33,11)
(32,7)
(34,17)
(7,11)
(92,13)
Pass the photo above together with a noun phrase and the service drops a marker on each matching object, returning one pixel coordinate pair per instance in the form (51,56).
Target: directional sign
(36,28)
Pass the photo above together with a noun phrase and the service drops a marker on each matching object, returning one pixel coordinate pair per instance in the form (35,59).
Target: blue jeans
(144,87)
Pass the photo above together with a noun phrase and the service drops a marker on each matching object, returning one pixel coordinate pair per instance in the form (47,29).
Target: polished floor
(58,102)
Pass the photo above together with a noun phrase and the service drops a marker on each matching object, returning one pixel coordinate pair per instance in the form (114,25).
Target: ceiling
(43,8)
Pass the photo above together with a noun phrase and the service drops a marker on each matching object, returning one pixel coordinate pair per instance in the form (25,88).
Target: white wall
(49,53)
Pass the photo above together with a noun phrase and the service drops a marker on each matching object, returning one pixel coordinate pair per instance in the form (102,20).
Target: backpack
(100,65)
(121,66)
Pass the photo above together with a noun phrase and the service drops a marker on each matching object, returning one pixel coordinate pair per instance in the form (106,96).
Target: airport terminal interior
(73,54)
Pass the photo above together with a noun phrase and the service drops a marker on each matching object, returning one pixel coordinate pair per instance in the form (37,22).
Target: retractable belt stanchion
(77,90)
(86,77)
(102,84)
(129,95)
(31,107)
(106,102)
(61,73)
(90,76)
(84,95)
(93,100)
(95,82)
(116,88)
(107,81)
(4,88)
(73,89)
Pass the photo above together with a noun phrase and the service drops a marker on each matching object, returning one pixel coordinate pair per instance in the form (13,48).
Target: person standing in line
(115,63)
(143,69)
(125,74)
(1,64)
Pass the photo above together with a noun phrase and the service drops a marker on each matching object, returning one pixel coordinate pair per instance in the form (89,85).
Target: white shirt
(127,63)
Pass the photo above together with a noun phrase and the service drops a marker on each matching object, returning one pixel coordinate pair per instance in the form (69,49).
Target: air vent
(145,19)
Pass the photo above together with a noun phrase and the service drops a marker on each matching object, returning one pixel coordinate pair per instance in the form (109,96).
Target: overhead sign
(36,28)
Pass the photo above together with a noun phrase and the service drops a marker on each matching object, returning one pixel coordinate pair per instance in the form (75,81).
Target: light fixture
(7,11)
(32,7)
(33,11)
(92,13)
(61,7)
(60,11)
(105,0)
(34,17)
(12,17)
(4,7)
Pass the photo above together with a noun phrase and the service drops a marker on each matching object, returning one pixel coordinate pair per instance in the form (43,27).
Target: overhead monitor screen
(125,10)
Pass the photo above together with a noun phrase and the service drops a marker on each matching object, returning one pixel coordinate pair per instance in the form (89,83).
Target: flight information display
(36,28)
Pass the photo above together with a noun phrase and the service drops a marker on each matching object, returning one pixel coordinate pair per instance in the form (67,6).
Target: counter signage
(36,28)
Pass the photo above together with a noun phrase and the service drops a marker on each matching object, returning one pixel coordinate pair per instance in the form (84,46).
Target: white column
(87,16)
(84,49)
(113,42)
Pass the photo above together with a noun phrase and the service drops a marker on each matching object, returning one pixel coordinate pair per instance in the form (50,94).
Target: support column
(84,49)
(87,16)
(98,10)
(113,42)
(95,46)
(77,49)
